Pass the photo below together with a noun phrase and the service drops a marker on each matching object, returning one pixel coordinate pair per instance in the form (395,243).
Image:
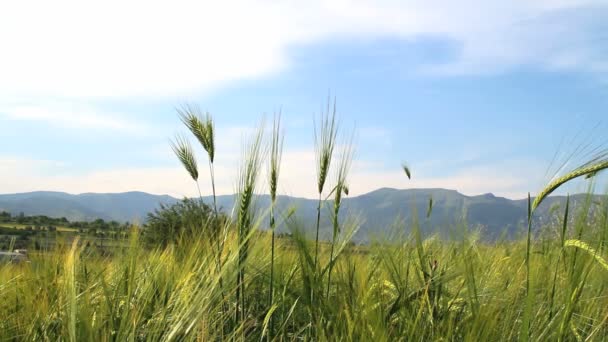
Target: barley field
(233,278)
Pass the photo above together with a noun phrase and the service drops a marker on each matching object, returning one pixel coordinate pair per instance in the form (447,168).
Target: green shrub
(170,222)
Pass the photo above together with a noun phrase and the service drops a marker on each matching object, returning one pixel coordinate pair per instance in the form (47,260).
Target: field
(412,290)
(232,278)
(15,236)
(24,226)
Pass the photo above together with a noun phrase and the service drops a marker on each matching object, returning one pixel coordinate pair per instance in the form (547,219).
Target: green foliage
(15,231)
(45,221)
(169,223)
(412,288)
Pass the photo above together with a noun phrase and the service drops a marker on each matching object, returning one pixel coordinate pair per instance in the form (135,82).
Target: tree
(5,216)
(100,224)
(166,224)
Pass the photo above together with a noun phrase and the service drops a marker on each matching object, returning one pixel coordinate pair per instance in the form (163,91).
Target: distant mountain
(128,206)
(381,211)
(391,210)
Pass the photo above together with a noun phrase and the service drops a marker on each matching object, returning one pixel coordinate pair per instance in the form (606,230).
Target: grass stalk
(325,142)
(525,331)
(248,176)
(340,189)
(203,129)
(561,253)
(276,151)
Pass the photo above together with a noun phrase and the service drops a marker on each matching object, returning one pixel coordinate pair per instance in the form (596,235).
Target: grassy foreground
(233,279)
(412,290)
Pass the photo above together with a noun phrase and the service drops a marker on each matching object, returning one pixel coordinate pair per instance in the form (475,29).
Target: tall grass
(325,142)
(413,286)
(274,168)
(203,128)
(245,216)
(341,189)
(385,291)
(382,292)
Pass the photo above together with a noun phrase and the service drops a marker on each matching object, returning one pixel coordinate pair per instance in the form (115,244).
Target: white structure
(13,257)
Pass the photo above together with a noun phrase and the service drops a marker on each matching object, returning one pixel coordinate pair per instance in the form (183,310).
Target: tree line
(50,223)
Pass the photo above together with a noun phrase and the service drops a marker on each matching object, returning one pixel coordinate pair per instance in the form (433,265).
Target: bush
(166,224)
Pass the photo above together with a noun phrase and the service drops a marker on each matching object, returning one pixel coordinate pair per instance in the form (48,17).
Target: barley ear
(210,136)
(200,126)
(407,171)
(584,170)
(248,176)
(325,142)
(584,246)
(183,150)
(276,151)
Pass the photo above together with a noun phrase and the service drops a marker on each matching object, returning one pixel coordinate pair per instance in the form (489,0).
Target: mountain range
(378,212)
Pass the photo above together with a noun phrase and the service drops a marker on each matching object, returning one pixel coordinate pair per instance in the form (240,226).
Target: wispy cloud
(69,115)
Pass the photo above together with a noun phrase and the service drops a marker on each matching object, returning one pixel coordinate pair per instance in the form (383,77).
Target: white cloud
(70,48)
(70,115)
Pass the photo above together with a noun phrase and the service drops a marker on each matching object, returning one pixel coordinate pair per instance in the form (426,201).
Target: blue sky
(474,96)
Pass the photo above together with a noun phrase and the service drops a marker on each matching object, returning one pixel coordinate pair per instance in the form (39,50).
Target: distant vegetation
(205,276)
(33,231)
(167,224)
(39,222)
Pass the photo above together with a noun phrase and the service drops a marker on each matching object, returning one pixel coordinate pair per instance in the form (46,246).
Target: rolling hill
(380,211)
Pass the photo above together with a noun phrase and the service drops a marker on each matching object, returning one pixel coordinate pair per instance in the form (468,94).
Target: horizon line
(279,195)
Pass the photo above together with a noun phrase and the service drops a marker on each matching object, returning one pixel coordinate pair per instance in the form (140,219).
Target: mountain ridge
(382,189)
(379,209)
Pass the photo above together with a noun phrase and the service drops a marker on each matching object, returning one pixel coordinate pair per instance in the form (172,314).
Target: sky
(476,96)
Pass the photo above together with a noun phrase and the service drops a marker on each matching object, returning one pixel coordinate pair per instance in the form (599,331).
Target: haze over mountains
(378,211)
